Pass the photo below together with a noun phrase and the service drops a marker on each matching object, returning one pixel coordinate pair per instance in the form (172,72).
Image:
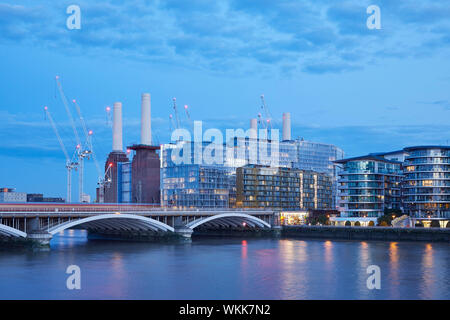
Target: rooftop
(371,156)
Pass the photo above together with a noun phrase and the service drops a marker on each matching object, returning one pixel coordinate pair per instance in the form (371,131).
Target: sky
(364,90)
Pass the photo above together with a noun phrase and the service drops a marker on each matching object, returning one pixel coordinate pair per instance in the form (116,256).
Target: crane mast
(88,149)
(69,163)
(268,116)
(177,120)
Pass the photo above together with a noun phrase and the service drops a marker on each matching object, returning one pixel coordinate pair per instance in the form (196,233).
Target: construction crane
(104,181)
(187,112)
(177,120)
(88,150)
(81,153)
(268,116)
(171,123)
(108,116)
(83,150)
(70,164)
(66,105)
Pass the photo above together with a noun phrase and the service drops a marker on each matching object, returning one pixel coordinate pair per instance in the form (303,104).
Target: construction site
(145,173)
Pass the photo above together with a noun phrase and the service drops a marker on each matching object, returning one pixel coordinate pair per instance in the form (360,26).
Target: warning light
(90,132)
(45,108)
(244,224)
(57,77)
(108,109)
(110,164)
(185,106)
(74,101)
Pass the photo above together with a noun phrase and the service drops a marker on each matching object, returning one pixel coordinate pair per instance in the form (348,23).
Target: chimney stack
(146,122)
(253,128)
(117,127)
(286,126)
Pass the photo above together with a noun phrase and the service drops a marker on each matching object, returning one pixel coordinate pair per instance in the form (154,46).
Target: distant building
(10,195)
(368,185)
(124,185)
(39,197)
(426,189)
(282,188)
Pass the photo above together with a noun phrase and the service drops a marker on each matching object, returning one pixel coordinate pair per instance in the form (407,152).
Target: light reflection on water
(226,269)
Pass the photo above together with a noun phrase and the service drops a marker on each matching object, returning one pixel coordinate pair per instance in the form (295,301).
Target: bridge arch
(229,219)
(114,222)
(11,232)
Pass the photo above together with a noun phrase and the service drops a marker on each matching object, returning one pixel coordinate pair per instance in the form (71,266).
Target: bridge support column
(276,231)
(35,236)
(39,238)
(184,232)
(181,229)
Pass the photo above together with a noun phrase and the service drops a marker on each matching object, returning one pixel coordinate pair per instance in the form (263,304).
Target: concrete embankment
(367,233)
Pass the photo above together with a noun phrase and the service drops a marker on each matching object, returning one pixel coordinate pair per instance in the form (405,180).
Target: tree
(387,219)
(319,219)
(371,224)
(348,223)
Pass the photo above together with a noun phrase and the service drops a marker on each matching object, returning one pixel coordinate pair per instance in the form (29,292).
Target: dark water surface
(226,269)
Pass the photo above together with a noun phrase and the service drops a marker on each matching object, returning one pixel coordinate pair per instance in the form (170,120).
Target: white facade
(13,197)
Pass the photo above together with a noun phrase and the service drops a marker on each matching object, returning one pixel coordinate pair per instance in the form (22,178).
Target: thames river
(230,268)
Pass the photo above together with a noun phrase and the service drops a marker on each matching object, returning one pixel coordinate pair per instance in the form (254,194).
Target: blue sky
(362,90)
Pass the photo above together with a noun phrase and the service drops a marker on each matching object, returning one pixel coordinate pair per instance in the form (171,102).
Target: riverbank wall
(367,233)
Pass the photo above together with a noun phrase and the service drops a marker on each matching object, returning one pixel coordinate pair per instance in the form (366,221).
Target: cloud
(440,103)
(238,36)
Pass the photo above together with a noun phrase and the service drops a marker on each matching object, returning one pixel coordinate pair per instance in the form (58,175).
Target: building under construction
(136,181)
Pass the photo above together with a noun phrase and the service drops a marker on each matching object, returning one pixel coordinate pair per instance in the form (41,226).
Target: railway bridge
(38,223)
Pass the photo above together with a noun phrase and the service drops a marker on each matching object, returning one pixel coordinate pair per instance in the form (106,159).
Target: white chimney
(253,128)
(117,127)
(286,126)
(146,120)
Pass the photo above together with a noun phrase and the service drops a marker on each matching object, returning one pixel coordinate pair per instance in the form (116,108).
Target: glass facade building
(426,188)
(240,152)
(124,182)
(197,186)
(368,185)
(282,188)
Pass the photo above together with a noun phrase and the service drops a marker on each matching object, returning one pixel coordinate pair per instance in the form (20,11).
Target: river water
(229,268)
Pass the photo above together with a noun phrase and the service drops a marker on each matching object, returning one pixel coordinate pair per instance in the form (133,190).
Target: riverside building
(426,188)
(282,188)
(367,185)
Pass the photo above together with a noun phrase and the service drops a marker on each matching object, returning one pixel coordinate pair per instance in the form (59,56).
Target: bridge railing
(111,208)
